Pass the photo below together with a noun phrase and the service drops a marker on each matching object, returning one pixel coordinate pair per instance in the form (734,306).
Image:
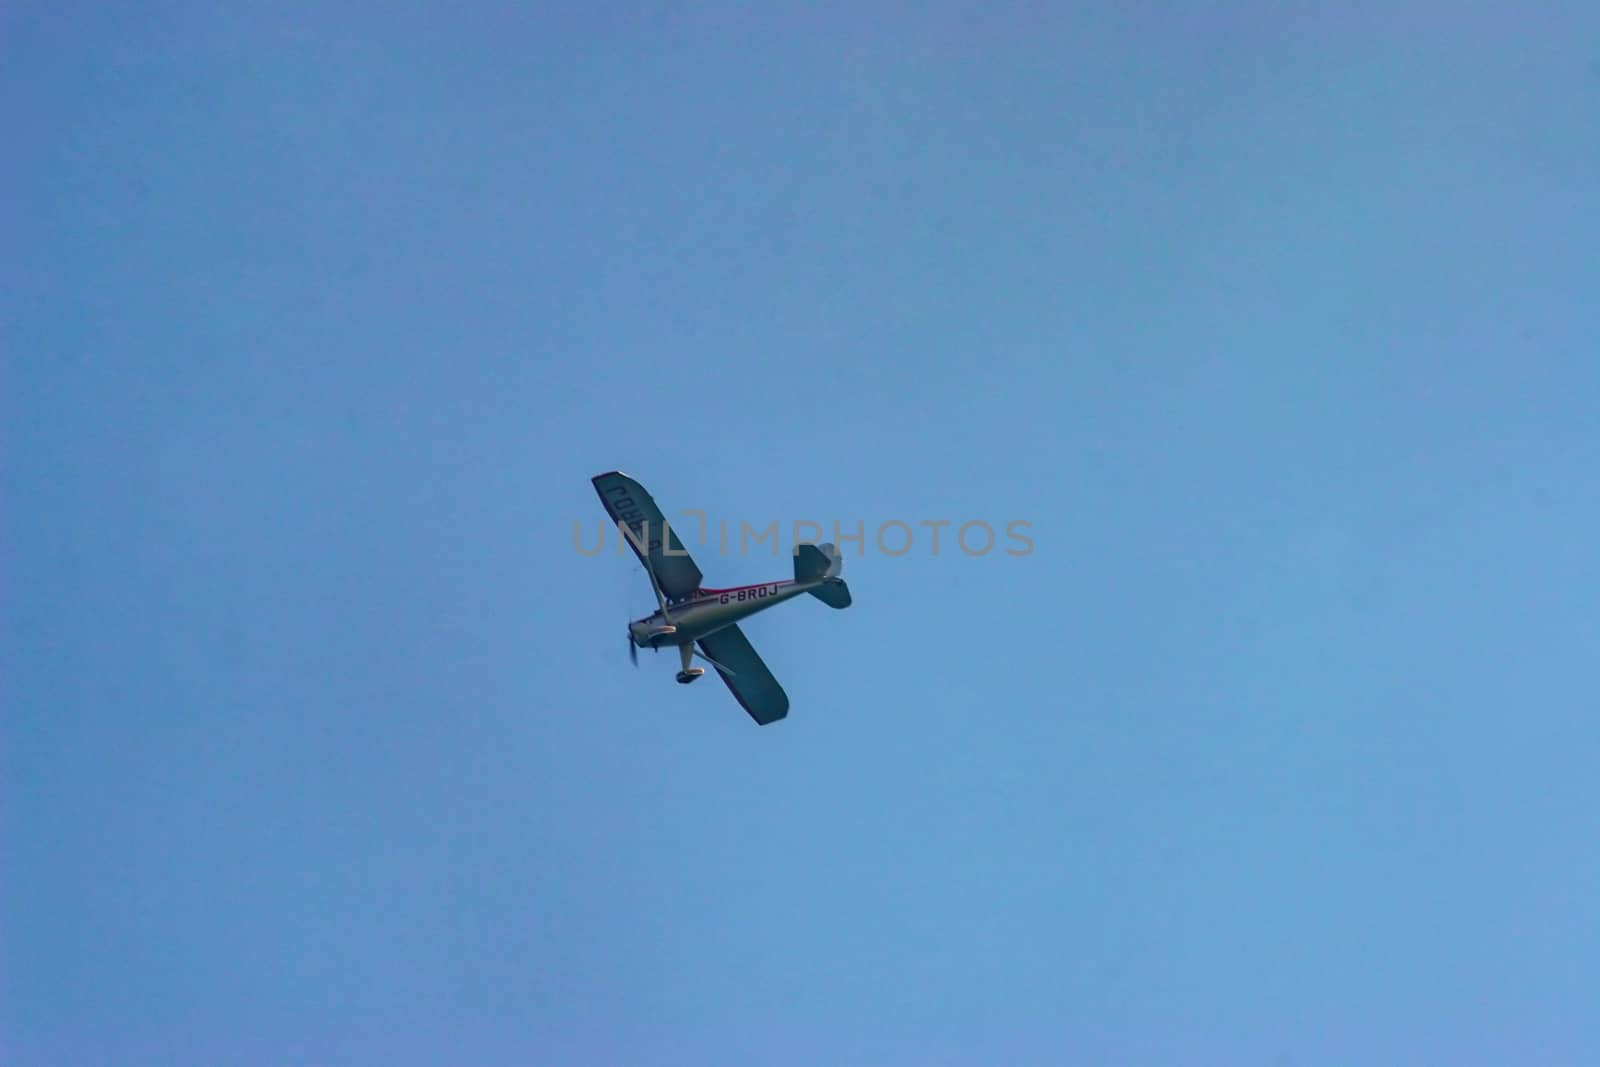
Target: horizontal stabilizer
(832,592)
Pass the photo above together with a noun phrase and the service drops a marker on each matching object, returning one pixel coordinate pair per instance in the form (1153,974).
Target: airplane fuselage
(709,610)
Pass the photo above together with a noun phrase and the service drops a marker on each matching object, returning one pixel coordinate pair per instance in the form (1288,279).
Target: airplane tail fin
(817,561)
(813,562)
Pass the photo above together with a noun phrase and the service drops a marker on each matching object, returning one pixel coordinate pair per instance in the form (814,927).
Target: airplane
(691,615)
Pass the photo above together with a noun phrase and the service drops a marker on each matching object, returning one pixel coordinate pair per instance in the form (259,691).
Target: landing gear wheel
(688,673)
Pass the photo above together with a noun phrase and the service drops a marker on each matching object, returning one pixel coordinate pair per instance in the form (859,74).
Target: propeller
(661,599)
(655,586)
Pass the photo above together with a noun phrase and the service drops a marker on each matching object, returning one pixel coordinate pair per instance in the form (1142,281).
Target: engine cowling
(647,636)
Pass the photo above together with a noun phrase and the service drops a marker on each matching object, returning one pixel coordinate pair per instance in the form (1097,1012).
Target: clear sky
(1278,324)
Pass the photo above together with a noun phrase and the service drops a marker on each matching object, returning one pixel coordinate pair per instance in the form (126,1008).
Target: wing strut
(714,663)
(656,586)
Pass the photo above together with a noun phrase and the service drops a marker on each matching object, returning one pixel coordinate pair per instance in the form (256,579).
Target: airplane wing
(752,685)
(626,502)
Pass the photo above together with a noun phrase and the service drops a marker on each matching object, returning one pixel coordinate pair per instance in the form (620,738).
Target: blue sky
(1278,324)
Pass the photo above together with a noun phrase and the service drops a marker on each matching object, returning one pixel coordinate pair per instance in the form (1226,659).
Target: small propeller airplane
(691,615)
